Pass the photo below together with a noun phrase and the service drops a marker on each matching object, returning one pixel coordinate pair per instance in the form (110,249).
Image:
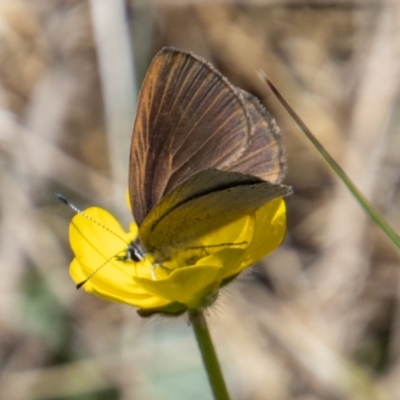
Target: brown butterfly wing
(264,155)
(189,118)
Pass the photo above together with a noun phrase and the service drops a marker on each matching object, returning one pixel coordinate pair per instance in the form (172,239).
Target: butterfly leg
(153,269)
(153,272)
(217,245)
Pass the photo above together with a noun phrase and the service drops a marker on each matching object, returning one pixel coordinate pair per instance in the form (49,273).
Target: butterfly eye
(134,252)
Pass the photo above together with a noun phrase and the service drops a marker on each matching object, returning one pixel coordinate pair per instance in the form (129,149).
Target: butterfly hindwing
(264,155)
(206,201)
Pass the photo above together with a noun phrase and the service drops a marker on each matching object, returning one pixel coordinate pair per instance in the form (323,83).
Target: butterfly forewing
(264,155)
(189,118)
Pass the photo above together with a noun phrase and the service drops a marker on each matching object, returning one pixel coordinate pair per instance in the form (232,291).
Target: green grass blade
(365,204)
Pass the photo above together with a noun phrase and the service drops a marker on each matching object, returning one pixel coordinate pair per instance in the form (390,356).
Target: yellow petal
(98,229)
(96,239)
(270,229)
(188,285)
(238,231)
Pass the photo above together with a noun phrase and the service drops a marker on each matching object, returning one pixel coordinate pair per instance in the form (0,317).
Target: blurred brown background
(320,319)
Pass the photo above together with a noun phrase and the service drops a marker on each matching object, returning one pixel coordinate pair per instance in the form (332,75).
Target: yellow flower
(193,275)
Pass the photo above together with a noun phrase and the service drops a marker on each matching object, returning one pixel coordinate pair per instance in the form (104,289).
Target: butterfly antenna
(68,203)
(80,284)
(79,211)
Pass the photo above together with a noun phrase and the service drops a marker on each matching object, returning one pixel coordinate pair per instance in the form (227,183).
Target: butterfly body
(203,153)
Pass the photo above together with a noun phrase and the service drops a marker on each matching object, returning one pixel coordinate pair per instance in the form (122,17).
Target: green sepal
(171,310)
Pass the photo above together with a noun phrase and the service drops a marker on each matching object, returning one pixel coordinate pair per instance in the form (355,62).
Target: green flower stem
(209,355)
(365,204)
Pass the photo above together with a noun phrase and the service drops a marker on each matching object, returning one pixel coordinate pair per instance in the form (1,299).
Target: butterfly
(203,154)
